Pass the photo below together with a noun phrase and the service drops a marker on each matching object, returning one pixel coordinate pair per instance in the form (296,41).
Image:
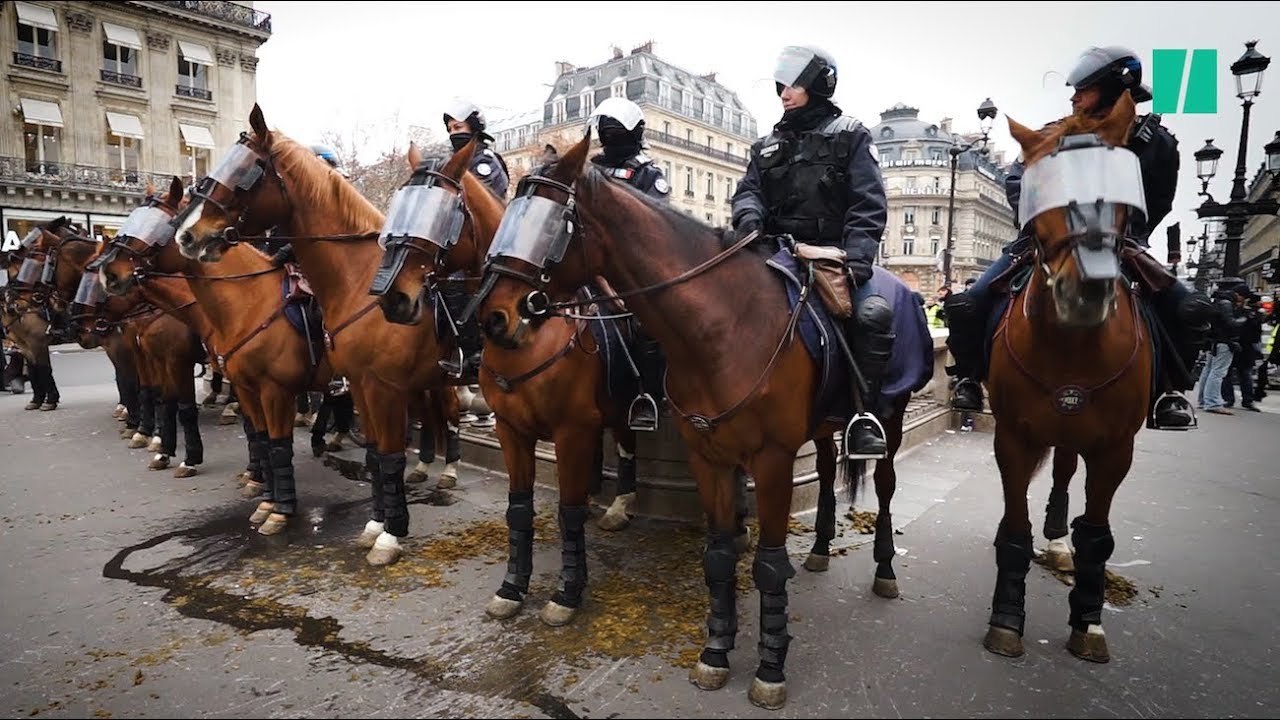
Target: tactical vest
(804,179)
(639,172)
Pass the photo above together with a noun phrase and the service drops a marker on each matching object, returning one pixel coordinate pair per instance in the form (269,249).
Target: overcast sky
(384,66)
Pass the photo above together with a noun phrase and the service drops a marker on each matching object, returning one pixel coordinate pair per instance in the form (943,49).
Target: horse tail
(855,479)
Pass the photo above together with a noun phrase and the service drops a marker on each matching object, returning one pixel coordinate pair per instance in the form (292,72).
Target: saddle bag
(830,276)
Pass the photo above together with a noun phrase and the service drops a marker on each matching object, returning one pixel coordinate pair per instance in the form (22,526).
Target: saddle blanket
(617,352)
(301,308)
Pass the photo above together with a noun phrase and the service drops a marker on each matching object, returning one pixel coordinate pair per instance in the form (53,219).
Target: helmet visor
(797,67)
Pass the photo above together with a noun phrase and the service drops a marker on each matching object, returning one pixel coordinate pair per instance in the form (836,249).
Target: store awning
(39,112)
(125,125)
(195,52)
(197,136)
(121,35)
(37,15)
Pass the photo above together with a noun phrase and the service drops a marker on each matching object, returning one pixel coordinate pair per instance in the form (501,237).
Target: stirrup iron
(864,417)
(1152,424)
(454,368)
(645,399)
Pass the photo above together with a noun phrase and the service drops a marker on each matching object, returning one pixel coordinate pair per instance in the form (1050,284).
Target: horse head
(143,237)
(533,257)
(244,196)
(440,221)
(1080,186)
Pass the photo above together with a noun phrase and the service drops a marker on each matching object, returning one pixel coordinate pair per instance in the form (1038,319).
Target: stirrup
(1153,424)
(868,418)
(454,369)
(339,387)
(644,401)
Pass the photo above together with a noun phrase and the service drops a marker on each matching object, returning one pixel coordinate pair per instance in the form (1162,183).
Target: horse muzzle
(495,328)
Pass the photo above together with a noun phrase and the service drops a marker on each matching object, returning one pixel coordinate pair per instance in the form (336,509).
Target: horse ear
(1025,136)
(1114,128)
(574,160)
(175,190)
(414,156)
(259,125)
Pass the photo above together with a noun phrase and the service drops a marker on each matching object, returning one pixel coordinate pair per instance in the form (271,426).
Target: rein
(507,384)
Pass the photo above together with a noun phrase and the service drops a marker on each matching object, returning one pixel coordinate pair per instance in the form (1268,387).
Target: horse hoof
(227,418)
(500,608)
(1003,641)
(420,473)
(253,489)
(156,444)
(274,525)
(32,406)
(159,462)
(262,513)
(768,695)
(885,588)
(818,563)
(372,530)
(618,516)
(126,434)
(184,471)
(386,550)
(1091,645)
(48,406)
(742,543)
(707,677)
(1059,557)
(556,615)
(139,441)
(242,477)
(449,477)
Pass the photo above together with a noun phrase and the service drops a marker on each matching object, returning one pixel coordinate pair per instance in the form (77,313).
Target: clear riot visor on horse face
(30,271)
(148,224)
(30,240)
(239,170)
(90,292)
(422,212)
(535,230)
(1091,180)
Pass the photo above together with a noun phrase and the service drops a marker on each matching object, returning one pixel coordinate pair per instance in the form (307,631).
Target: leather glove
(749,224)
(282,256)
(860,270)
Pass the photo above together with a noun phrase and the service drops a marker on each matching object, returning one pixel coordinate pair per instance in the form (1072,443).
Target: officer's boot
(465,365)
(643,413)
(1185,316)
(872,336)
(966,321)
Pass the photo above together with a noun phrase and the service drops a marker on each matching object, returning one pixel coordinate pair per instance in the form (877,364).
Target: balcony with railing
(39,63)
(116,78)
(696,147)
(69,176)
(193,92)
(228,12)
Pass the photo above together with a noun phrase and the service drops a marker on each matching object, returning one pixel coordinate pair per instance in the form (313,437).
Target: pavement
(127,592)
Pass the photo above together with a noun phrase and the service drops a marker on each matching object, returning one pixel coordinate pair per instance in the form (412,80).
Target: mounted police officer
(1099,79)
(619,123)
(463,119)
(817,178)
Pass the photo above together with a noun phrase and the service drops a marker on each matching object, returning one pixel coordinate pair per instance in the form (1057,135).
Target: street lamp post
(1237,211)
(986,117)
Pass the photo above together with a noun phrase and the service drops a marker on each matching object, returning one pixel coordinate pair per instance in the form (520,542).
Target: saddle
(1136,265)
(830,277)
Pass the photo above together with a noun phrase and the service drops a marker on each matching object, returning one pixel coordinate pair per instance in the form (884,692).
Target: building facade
(697,130)
(102,98)
(916,164)
(1261,244)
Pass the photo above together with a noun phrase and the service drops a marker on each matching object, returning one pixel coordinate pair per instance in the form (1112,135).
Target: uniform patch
(662,186)
(768,150)
(875,153)
(484,169)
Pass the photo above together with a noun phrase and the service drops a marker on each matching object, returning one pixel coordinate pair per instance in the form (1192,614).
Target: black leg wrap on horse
(343,413)
(169,428)
(626,474)
(395,507)
(824,526)
(284,493)
(1055,515)
(260,456)
(452,445)
(426,443)
(146,410)
(771,571)
(1013,560)
(252,467)
(372,466)
(573,556)
(129,398)
(1093,545)
(519,546)
(189,417)
(719,568)
(882,551)
(741,507)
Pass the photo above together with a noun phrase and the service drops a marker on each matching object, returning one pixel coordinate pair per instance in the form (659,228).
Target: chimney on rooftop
(945,126)
(617,52)
(563,67)
(645,48)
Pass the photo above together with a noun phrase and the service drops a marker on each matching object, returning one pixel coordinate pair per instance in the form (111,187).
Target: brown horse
(1079,187)
(266,359)
(741,387)
(267,180)
(548,386)
(26,315)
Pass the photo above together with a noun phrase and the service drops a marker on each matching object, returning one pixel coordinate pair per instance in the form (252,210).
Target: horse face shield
(418,213)
(1092,182)
(239,172)
(534,229)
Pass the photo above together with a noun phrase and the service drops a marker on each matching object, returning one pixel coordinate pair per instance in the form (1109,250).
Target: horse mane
(681,223)
(315,183)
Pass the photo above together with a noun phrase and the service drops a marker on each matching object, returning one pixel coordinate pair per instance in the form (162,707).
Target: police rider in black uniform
(1100,77)
(619,123)
(463,119)
(817,178)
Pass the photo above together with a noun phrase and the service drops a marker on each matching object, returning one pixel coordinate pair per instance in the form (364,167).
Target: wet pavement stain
(221,547)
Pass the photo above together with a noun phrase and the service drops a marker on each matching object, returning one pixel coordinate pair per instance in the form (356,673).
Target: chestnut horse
(550,385)
(741,387)
(266,359)
(1080,185)
(268,180)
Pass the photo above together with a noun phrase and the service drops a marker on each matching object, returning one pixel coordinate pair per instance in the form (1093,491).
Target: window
(619,89)
(688,180)
(934,244)
(935,217)
(666,127)
(711,188)
(124,144)
(908,246)
(588,104)
(937,183)
(196,146)
(936,153)
(37,37)
(41,136)
(668,165)
(664,93)
(686,102)
(194,62)
(688,135)
(728,188)
(709,218)
(120,48)
(728,147)
(711,142)
(909,215)
(707,105)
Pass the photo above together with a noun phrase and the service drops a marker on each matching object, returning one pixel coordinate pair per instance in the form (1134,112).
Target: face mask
(459,140)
